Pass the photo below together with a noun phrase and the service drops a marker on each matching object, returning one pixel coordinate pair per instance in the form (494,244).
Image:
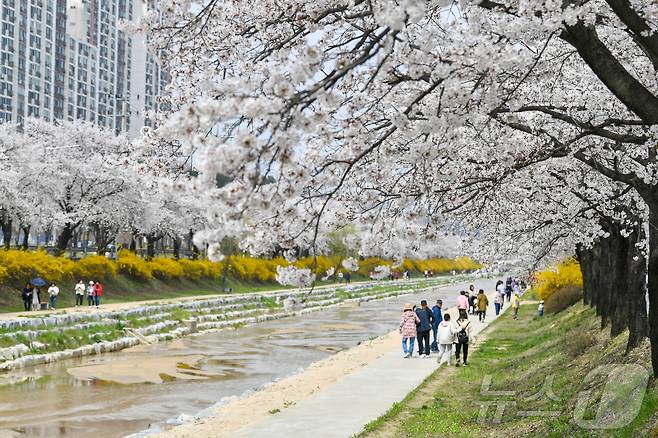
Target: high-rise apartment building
(64,59)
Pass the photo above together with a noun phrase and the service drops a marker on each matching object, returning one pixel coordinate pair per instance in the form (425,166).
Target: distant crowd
(32,296)
(453,336)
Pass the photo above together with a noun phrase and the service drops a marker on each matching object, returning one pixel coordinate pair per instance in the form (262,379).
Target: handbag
(462,336)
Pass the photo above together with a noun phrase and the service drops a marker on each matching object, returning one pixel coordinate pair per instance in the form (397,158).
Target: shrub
(319,266)
(563,298)
(166,269)
(21,266)
(369,264)
(566,273)
(253,269)
(132,265)
(94,267)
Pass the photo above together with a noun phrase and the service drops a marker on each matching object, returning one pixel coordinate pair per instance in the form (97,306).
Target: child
(540,309)
(516,302)
(446,335)
(408,329)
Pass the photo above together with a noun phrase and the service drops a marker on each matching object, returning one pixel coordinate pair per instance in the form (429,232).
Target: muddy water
(47,401)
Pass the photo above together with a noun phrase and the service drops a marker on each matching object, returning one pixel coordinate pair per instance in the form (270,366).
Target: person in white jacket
(445,340)
(461,341)
(79,293)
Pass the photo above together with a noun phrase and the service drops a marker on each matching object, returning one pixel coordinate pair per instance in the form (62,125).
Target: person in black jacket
(423,329)
(26,294)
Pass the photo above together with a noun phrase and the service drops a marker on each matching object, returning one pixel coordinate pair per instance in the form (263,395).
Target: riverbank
(47,401)
(38,339)
(543,365)
(334,397)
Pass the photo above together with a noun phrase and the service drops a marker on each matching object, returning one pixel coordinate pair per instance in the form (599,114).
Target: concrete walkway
(347,406)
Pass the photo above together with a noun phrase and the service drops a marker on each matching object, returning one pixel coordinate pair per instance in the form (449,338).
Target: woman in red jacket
(98,293)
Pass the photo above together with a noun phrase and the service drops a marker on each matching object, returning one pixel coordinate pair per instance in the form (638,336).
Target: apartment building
(64,59)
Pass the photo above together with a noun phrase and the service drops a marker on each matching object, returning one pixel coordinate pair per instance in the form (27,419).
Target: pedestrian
(26,294)
(53,291)
(340,277)
(79,293)
(98,293)
(90,294)
(436,314)
(516,302)
(446,338)
(500,289)
(508,289)
(408,324)
(423,329)
(482,303)
(472,296)
(348,276)
(462,335)
(497,303)
(462,303)
(540,309)
(36,299)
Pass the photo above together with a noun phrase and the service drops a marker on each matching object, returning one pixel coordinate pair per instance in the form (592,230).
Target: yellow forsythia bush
(21,266)
(253,269)
(566,273)
(166,269)
(197,269)
(132,265)
(94,267)
(322,264)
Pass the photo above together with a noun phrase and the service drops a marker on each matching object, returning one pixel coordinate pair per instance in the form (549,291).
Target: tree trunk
(151,240)
(584,256)
(636,270)
(192,246)
(177,245)
(64,238)
(26,237)
(652,283)
(102,237)
(133,243)
(6,232)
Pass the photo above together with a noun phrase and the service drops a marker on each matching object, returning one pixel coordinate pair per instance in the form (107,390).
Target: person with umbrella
(36,292)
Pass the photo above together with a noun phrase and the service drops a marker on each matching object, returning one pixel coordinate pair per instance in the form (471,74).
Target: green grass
(519,356)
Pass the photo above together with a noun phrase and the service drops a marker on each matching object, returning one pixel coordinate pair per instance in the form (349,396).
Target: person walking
(79,293)
(516,302)
(53,292)
(482,304)
(26,294)
(472,297)
(497,303)
(423,329)
(446,339)
(437,318)
(540,309)
(98,293)
(462,303)
(508,289)
(36,299)
(500,290)
(408,324)
(90,294)
(462,335)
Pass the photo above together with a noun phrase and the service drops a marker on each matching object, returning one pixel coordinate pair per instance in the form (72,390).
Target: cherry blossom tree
(400,117)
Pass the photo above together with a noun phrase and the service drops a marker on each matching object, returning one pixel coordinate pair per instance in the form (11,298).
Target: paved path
(343,409)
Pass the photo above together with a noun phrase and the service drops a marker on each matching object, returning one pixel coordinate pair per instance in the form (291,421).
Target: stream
(47,401)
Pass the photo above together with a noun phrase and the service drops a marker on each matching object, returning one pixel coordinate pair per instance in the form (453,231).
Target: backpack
(462,336)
